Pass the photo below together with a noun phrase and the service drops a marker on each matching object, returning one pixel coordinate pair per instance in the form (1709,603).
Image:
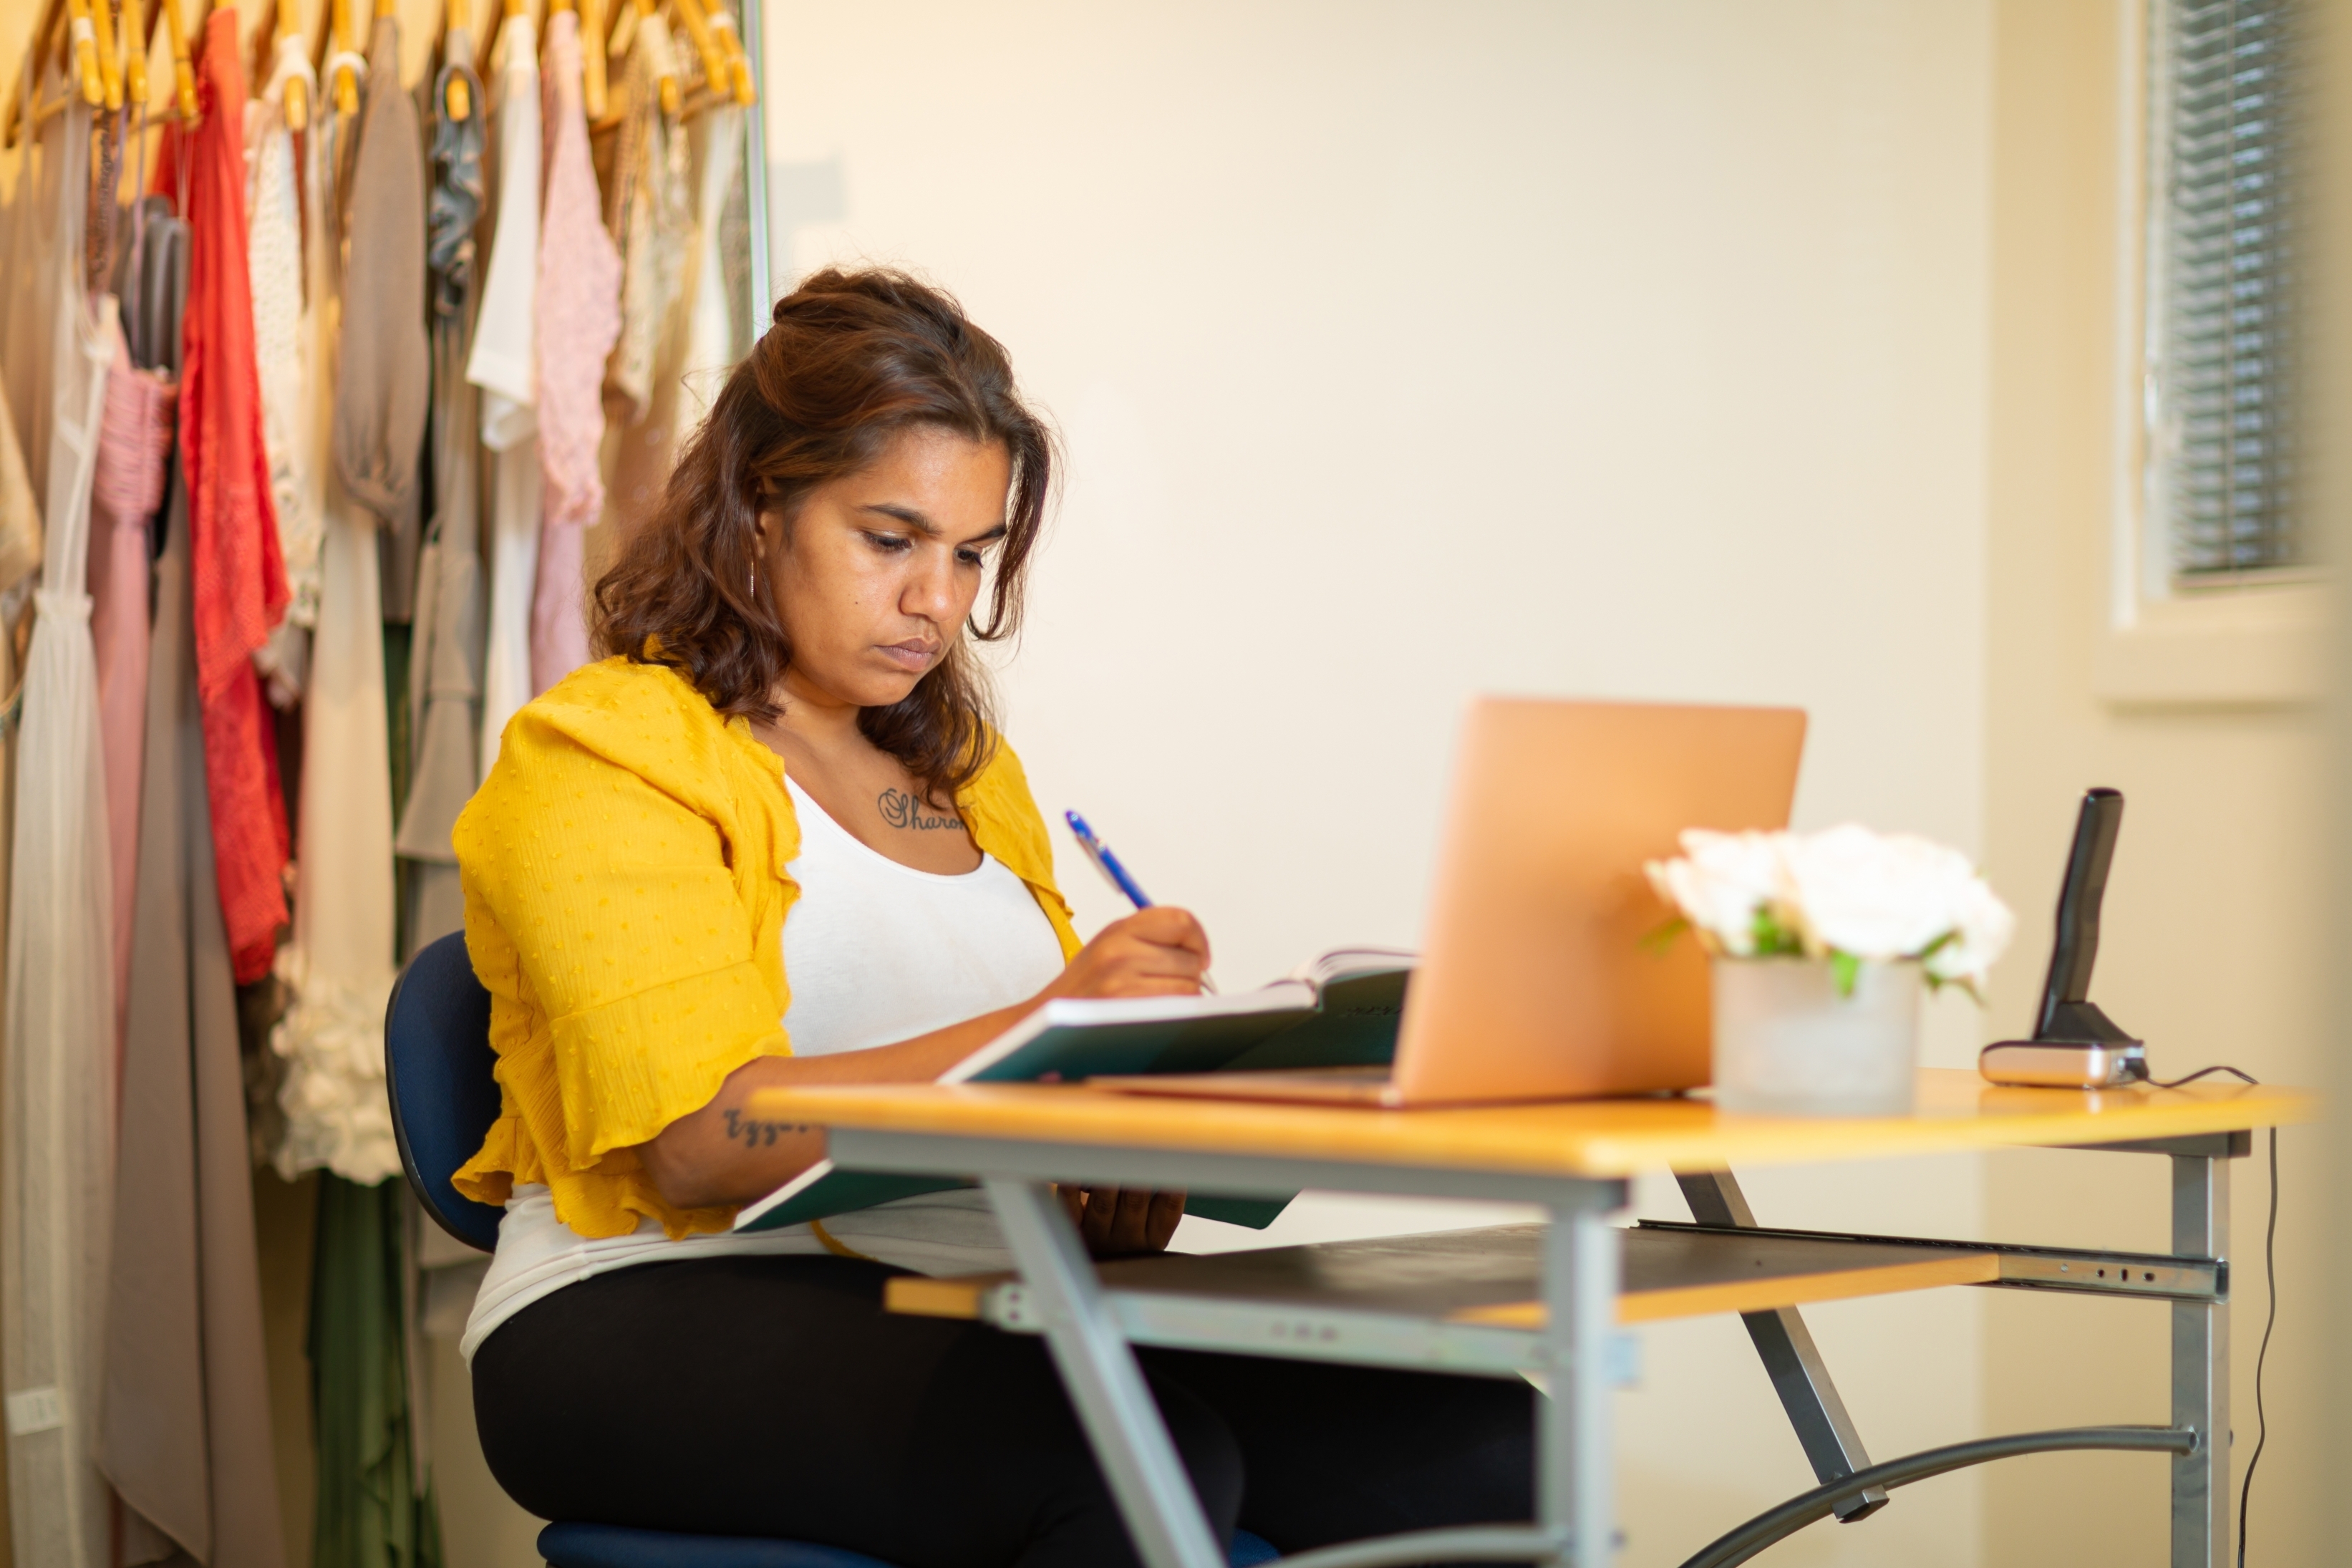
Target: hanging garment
(651,210)
(579,320)
(711,350)
(446,660)
(504,364)
(289,652)
(238,575)
(34,271)
(20,513)
(706,153)
(282,362)
(20,551)
(185,1421)
(384,382)
(134,442)
(155,284)
(340,964)
(60,1150)
(735,258)
(373,1509)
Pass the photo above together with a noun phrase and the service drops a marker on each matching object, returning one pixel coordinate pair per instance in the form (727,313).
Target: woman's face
(876,576)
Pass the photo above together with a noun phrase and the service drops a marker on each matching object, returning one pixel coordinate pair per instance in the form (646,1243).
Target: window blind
(2227,243)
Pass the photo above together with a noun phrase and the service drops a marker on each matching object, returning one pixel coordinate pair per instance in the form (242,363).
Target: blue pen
(1106,862)
(1113,872)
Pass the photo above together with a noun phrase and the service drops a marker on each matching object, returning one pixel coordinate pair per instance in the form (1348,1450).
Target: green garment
(371,1512)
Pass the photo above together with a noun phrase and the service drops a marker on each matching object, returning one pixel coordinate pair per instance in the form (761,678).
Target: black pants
(773,1396)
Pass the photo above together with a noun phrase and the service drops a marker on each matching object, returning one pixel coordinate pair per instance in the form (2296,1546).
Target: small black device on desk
(2074,1044)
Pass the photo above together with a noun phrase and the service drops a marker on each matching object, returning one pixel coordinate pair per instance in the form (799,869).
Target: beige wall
(1405,352)
(2209,949)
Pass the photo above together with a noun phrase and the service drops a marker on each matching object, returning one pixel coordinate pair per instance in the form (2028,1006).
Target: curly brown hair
(852,358)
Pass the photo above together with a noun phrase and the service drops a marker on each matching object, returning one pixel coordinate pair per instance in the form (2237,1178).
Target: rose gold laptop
(1536,981)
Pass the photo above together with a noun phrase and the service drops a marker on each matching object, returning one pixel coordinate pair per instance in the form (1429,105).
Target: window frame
(2244,638)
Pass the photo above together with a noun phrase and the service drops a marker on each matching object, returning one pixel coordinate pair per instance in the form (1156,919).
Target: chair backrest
(438,1063)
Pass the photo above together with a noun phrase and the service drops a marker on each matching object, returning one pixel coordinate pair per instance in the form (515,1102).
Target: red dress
(238,576)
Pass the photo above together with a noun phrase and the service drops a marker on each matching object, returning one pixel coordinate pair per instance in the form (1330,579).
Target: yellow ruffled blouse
(626,897)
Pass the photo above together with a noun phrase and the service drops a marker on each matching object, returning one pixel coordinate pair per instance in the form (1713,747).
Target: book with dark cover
(1338,1010)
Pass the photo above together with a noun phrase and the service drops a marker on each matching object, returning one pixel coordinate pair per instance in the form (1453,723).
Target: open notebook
(1340,1009)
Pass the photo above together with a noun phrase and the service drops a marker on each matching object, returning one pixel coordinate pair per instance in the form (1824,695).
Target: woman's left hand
(1121,1222)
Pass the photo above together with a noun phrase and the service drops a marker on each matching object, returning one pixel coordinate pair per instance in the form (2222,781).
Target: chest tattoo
(900,809)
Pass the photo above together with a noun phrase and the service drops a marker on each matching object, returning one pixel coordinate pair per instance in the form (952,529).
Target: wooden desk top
(1957,1111)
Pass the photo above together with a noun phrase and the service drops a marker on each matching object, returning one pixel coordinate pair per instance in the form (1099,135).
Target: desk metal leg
(2201,1369)
(1832,1444)
(1147,1477)
(1576,1483)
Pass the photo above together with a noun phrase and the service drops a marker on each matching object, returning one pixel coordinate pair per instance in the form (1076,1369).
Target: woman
(773,838)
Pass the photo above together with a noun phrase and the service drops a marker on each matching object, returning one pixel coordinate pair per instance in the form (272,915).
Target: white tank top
(875,952)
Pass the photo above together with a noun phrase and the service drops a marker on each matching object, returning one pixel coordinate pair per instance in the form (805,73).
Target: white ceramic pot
(1785,1042)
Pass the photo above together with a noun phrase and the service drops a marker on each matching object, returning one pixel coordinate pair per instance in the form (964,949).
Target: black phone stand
(2074,1044)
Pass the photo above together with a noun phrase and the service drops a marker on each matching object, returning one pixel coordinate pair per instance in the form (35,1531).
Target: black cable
(2270,1316)
(2205,1072)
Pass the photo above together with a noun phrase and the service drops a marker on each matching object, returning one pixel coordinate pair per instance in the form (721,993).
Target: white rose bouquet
(1848,895)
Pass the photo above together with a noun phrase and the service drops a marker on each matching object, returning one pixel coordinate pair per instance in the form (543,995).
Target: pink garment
(578,318)
(134,437)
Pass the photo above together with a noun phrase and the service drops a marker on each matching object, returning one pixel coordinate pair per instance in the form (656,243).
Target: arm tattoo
(759,1134)
(900,809)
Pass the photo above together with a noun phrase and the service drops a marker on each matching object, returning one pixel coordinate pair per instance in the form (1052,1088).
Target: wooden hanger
(341,38)
(181,105)
(666,88)
(83,31)
(624,34)
(137,40)
(20,114)
(591,58)
(183,65)
(296,96)
(486,58)
(110,62)
(706,44)
(457,18)
(738,64)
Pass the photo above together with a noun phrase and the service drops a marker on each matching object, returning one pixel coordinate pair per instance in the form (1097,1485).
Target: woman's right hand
(1158,952)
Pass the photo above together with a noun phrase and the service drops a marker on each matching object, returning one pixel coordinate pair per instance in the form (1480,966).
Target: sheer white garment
(515,487)
(281,352)
(341,963)
(717,135)
(58,1205)
(503,361)
(503,364)
(288,655)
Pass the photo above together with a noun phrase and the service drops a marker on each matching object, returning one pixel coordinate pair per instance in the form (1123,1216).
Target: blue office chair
(436,1064)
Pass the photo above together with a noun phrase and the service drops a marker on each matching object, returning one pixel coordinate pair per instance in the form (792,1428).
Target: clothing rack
(330,554)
